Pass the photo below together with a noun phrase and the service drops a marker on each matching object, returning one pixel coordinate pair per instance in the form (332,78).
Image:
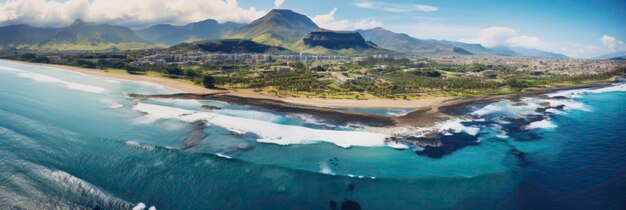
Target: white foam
(131,143)
(310,119)
(45,78)
(528,106)
(112,81)
(456,126)
(222,155)
(139,206)
(447,128)
(502,135)
(543,124)
(142,206)
(111,103)
(267,131)
(621,87)
(325,169)
(397,112)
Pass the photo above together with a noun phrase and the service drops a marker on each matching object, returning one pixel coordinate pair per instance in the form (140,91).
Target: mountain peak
(207,21)
(285,15)
(278,27)
(78,21)
(282,11)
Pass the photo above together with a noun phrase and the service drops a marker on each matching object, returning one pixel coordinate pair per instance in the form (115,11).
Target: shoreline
(421,116)
(166,82)
(426,112)
(195,89)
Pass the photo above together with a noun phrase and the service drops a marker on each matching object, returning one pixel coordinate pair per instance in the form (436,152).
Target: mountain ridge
(208,29)
(407,44)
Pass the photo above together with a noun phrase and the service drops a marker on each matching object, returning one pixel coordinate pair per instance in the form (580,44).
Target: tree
(208,81)
(132,69)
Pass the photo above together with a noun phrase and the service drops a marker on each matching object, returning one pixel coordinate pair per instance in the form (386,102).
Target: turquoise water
(69,140)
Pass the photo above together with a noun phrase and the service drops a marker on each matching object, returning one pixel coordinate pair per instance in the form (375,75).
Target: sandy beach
(170,83)
(426,111)
(195,89)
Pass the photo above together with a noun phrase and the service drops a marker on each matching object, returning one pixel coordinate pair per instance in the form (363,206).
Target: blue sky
(578,28)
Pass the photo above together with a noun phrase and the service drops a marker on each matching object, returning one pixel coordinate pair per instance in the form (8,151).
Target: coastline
(195,89)
(426,111)
(166,82)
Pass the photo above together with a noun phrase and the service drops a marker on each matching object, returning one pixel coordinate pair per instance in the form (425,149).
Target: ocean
(75,141)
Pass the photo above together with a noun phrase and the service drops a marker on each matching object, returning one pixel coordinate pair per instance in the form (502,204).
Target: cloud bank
(495,36)
(124,12)
(612,44)
(396,7)
(328,21)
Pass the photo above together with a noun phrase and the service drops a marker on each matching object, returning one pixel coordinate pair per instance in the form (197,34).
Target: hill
(322,41)
(612,56)
(278,27)
(23,35)
(407,44)
(525,52)
(204,30)
(90,33)
(476,49)
(228,46)
(79,35)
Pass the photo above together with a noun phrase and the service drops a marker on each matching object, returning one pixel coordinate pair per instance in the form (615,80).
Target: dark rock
(332,204)
(207,107)
(447,145)
(427,143)
(351,187)
(521,156)
(560,97)
(517,152)
(197,134)
(350,205)
(336,40)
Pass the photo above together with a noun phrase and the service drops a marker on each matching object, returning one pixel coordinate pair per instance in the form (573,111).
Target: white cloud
(494,36)
(123,12)
(612,44)
(278,3)
(434,30)
(396,7)
(328,21)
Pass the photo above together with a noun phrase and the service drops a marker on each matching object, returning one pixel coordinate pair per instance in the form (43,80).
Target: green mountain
(525,52)
(407,44)
(228,46)
(23,35)
(79,35)
(89,33)
(322,41)
(204,30)
(612,56)
(278,27)
(476,49)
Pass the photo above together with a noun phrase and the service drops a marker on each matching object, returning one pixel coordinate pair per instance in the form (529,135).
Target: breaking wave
(45,78)
(545,124)
(267,131)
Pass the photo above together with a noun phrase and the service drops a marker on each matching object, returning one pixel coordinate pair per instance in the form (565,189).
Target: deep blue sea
(75,141)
